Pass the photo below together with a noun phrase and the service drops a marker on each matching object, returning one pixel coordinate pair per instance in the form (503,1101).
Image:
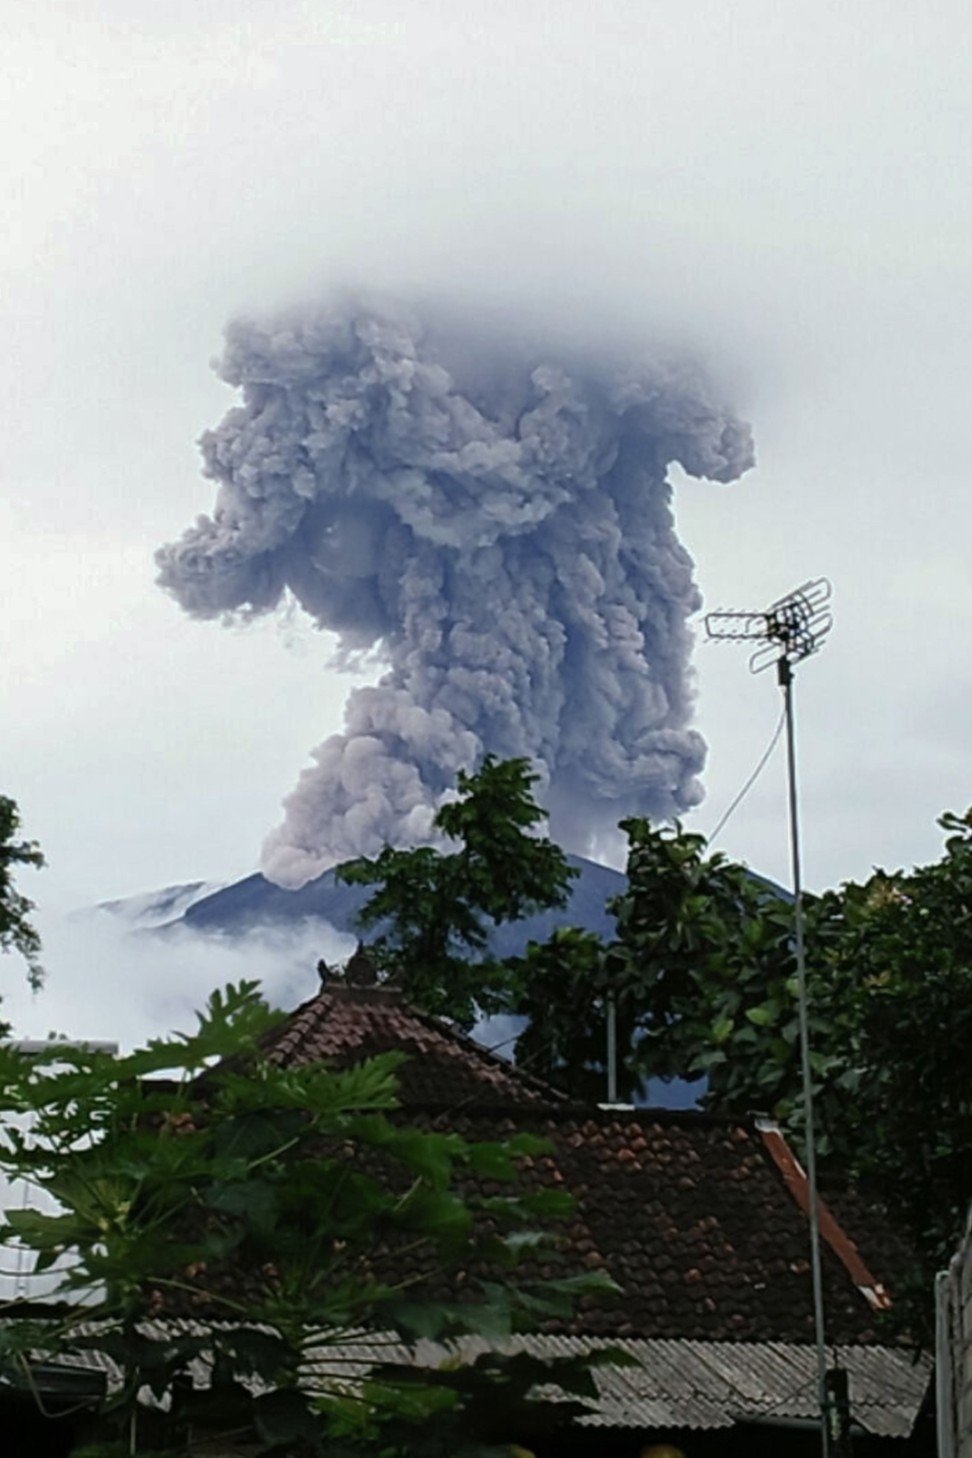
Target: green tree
(215,1211)
(684,922)
(559,986)
(704,976)
(17,932)
(433,909)
(899,949)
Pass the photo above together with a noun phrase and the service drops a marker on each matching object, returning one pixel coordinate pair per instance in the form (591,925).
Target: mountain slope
(257,902)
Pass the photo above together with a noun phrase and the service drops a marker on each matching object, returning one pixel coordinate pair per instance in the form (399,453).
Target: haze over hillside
(254,913)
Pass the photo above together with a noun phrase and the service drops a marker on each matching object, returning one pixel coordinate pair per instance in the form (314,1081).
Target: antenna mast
(788,631)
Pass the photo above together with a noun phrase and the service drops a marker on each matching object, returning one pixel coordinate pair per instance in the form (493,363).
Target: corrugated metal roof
(698,1384)
(19,1279)
(672,1384)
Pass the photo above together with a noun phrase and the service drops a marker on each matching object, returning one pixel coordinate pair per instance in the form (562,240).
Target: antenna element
(790,629)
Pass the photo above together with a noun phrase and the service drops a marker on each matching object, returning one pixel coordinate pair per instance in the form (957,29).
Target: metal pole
(612,1050)
(944,1391)
(785,672)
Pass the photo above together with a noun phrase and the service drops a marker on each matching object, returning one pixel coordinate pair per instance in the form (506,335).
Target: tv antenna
(789,630)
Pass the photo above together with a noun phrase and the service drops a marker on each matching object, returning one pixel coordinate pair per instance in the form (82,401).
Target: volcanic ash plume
(496,523)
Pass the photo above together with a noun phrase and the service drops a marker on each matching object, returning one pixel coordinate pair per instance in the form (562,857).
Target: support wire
(761,765)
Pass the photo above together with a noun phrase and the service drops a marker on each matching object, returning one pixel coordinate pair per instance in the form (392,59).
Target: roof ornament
(360,969)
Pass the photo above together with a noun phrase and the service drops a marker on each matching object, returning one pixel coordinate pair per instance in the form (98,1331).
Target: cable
(763,760)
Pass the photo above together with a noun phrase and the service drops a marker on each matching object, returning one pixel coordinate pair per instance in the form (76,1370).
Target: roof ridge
(844,1247)
(488,1055)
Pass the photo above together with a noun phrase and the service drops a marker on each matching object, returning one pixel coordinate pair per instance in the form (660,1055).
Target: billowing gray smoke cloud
(497,522)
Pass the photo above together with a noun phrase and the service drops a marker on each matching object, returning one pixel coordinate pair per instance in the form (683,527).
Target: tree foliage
(703,975)
(433,909)
(212,1212)
(705,954)
(697,939)
(899,948)
(17,932)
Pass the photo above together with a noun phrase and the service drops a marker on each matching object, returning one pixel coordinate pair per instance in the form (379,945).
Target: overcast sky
(783,185)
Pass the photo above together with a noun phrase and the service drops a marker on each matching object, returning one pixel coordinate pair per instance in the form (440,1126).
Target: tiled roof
(694,1217)
(691,1218)
(445,1069)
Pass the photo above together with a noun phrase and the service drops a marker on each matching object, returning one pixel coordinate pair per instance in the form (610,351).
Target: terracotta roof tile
(690,1214)
(445,1069)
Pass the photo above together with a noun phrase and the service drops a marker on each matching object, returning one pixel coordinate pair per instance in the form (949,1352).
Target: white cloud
(111,981)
